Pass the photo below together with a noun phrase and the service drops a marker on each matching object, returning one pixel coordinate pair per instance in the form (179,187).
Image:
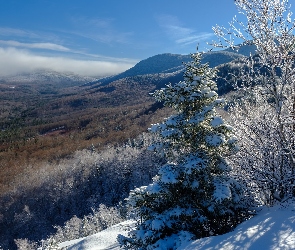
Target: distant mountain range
(169,64)
(49,77)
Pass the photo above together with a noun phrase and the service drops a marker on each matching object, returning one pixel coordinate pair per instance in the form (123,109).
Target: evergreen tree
(193,195)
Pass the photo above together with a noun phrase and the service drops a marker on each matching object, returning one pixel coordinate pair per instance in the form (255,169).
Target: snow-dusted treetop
(196,125)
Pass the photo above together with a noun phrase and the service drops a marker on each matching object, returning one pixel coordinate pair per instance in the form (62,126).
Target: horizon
(94,39)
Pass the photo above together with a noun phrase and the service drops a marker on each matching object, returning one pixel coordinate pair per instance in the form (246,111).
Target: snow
(222,190)
(157,224)
(216,121)
(196,78)
(153,188)
(211,94)
(106,239)
(215,140)
(273,228)
(168,174)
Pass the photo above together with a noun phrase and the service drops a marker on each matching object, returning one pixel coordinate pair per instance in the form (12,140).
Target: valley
(38,126)
(47,116)
(72,139)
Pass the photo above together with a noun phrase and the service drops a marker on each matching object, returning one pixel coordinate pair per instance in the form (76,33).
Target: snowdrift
(273,228)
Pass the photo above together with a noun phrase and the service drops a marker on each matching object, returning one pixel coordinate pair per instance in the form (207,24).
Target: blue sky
(95,37)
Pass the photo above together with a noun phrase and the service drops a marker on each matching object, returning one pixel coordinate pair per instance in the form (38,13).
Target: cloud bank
(15,61)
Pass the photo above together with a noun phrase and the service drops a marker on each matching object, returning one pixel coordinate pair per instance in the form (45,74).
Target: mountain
(61,80)
(35,104)
(168,63)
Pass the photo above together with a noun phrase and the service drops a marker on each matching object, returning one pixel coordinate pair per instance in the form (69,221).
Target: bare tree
(271,75)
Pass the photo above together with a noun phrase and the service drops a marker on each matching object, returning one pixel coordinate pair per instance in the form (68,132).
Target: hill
(244,50)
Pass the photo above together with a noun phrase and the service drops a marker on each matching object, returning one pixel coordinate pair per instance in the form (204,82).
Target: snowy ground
(106,239)
(273,228)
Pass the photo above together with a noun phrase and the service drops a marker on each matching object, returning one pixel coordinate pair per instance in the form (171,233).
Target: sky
(99,38)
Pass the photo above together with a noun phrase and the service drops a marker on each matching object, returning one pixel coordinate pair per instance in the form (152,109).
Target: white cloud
(49,46)
(16,32)
(60,48)
(15,61)
(176,31)
(105,36)
(180,34)
(194,38)
(100,30)
(28,34)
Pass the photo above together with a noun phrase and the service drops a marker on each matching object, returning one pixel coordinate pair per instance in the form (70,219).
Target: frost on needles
(193,194)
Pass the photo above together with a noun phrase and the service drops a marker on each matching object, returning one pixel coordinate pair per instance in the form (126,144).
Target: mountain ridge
(169,62)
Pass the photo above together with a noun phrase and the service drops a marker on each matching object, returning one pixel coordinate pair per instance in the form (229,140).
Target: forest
(200,172)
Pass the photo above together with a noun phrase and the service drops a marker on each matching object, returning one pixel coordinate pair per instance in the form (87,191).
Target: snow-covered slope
(106,239)
(273,228)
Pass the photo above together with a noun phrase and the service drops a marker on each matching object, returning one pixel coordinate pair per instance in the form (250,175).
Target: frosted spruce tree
(193,195)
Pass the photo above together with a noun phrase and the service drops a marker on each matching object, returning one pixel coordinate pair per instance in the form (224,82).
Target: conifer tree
(193,195)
